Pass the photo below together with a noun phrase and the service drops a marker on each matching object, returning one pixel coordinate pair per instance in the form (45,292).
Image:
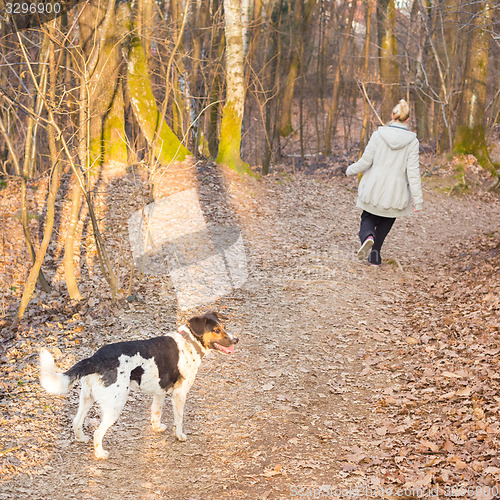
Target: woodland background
(109,86)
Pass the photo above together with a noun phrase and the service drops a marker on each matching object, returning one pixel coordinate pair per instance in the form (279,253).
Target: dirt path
(300,395)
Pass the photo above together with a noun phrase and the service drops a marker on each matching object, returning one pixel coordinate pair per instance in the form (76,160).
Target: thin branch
(362,85)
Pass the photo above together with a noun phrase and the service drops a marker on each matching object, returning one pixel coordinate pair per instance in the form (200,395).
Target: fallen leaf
(273,472)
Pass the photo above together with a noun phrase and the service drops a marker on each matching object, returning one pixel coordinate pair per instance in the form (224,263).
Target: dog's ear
(197,325)
(218,315)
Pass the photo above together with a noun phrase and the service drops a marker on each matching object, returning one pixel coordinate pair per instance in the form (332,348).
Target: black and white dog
(158,366)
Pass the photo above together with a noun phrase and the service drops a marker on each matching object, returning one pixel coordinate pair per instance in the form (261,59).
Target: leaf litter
(345,375)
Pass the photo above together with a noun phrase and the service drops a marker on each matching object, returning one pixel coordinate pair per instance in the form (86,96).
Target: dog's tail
(51,380)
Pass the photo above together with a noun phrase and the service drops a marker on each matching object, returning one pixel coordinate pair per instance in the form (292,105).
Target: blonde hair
(401,112)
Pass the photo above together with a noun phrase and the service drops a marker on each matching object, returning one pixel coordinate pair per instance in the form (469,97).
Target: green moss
(113,134)
(30,215)
(286,130)
(230,141)
(472,140)
(95,153)
(115,148)
(167,147)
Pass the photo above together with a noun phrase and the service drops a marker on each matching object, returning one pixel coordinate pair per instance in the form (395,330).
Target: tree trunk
(29,287)
(448,50)
(232,114)
(272,83)
(369,5)
(301,22)
(24,203)
(69,243)
(470,135)
(100,42)
(217,51)
(165,144)
(30,152)
(388,53)
(145,23)
(332,112)
(32,126)
(76,198)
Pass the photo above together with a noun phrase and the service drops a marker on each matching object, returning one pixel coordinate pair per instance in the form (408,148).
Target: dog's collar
(187,334)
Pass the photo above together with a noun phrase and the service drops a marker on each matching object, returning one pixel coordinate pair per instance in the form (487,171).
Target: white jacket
(392,176)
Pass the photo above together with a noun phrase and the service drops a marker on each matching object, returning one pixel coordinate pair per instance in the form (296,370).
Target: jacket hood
(396,136)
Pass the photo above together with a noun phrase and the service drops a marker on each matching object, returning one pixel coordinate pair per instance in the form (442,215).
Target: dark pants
(376,226)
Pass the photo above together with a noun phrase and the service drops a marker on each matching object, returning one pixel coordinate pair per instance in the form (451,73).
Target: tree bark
(369,6)
(165,144)
(69,243)
(332,111)
(29,287)
(470,135)
(217,45)
(24,203)
(388,52)
(272,83)
(301,23)
(101,47)
(232,114)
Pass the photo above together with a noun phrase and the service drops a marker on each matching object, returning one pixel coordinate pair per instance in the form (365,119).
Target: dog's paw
(159,427)
(101,454)
(180,436)
(82,438)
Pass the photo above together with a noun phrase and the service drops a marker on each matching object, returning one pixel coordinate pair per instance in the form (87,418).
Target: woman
(391,180)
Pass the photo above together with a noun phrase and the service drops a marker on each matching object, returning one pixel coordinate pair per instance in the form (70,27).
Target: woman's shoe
(374,258)
(365,248)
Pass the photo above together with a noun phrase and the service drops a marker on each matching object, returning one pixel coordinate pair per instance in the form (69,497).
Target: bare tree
(388,52)
(232,117)
(470,136)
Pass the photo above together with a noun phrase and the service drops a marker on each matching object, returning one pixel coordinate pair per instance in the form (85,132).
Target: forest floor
(349,381)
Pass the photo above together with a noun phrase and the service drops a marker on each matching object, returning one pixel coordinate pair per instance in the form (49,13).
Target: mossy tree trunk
(232,114)
(104,95)
(165,144)
(388,53)
(172,82)
(145,24)
(470,134)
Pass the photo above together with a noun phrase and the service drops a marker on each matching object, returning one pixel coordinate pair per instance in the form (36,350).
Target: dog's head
(210,332)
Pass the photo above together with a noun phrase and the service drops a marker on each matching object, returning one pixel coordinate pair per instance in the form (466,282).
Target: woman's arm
(413,175)
(365,162)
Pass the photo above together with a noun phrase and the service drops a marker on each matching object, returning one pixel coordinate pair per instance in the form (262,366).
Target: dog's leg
(111,399)
(109,417)
(178,399)
(86,401)
(156,410)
